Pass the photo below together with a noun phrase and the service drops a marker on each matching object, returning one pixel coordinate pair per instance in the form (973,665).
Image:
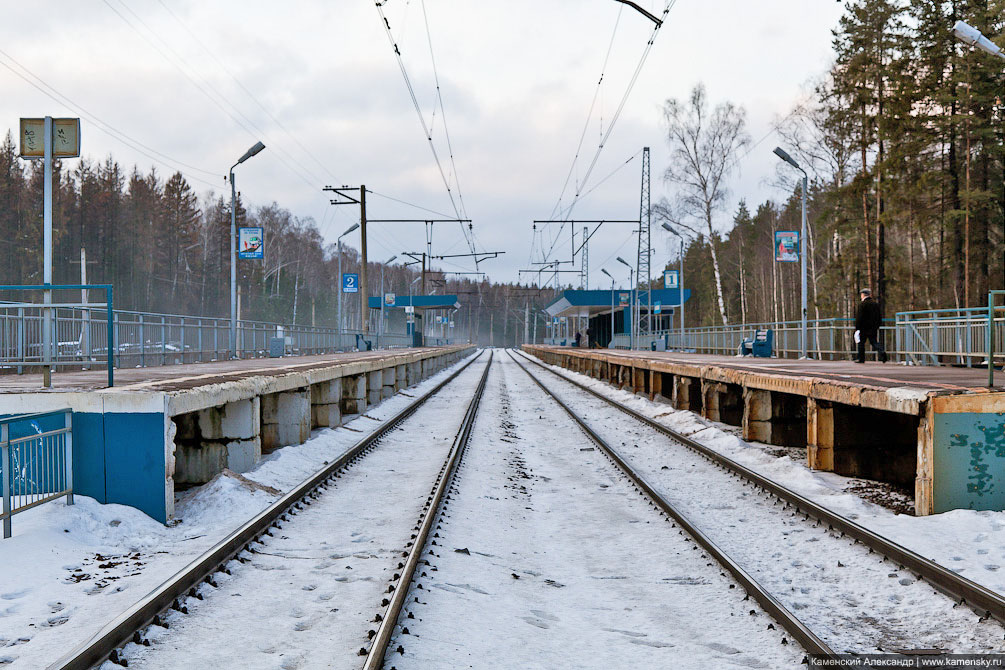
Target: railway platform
(181,425)
(938,430)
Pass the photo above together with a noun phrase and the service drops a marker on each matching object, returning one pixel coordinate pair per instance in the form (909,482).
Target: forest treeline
(165,249)
(903,139)
(903,142)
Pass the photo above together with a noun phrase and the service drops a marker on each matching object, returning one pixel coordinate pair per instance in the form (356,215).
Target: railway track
(699,476)
(154,609)
(545,556)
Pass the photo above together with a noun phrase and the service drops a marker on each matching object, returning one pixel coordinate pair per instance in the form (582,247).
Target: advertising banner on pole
(250,242)
(787,246)
(350,282)
(671,279)
(624,298)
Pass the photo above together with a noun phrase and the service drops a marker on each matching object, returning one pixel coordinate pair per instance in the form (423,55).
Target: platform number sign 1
(671,279)
(350,282)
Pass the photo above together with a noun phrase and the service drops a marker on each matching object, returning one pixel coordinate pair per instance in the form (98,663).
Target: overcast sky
(193,84)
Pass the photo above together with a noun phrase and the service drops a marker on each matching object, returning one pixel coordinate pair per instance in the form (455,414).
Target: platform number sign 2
(350,282)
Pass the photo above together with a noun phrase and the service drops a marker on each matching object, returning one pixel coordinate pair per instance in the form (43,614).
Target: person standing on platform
(867,322)
(579,338)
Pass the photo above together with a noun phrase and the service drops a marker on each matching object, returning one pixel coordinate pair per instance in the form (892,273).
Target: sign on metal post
(787,246)
(409,309)
(671,279)
(624,298)
(657,307)
(250,242)
(47,138)
(350,282)
(389,299)
(65,138)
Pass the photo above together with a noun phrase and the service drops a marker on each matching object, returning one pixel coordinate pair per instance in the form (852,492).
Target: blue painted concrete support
(969,461)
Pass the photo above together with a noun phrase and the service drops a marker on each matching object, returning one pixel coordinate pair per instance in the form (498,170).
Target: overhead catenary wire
(565,214)
(422,120)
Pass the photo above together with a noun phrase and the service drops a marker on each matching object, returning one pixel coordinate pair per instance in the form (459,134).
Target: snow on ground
(968,542)
(547,558)
(69,570)
(307,598)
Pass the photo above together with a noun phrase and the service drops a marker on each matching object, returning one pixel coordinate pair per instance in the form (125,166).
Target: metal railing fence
(36,461)
(142,339)
(949,336)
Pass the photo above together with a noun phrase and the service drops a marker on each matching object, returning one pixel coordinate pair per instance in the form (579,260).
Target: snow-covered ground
(547,558)
(968,542)
(307,598)
(833,585)
(69,570)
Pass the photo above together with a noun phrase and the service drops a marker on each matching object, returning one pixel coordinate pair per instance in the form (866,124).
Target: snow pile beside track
(968,542)
(68,570)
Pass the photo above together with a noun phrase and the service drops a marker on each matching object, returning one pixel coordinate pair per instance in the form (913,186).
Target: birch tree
(704,148)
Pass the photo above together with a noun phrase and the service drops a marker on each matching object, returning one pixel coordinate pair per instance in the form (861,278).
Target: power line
(247,92)
(205,88)
(103,126)
(422,120)
(617,114)
(443,112)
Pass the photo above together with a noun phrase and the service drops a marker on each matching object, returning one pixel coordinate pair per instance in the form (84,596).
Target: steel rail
(127,626)
(796,628)
(375,658)
(980,598)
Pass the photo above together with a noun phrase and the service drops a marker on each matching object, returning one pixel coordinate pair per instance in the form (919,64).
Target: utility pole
(642,271)
(363,306)
(352,199)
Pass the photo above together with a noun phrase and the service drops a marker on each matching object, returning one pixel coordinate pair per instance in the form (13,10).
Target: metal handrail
(44,463)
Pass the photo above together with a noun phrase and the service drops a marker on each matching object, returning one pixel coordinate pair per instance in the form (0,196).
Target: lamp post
(233,247)
(967,33)
(612,300)
(680,280)
(380,326)
(631,306)
(341,320)
(802,253)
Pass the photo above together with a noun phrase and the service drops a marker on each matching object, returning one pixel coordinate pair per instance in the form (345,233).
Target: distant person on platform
(579,337)
(867,322)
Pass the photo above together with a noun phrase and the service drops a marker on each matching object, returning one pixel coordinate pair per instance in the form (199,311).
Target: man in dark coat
(867,322)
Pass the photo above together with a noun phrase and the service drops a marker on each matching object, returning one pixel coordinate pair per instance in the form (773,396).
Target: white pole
(339,297)
(680,292)
(233,266)
(803,248)
(47,334)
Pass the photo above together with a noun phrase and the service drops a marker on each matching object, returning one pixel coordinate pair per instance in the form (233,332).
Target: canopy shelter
(438,307)
(596,307)
(419,302)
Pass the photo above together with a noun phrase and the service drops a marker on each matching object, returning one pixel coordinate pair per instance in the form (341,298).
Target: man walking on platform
(867,322)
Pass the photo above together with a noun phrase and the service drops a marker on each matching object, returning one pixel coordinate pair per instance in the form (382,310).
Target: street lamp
(233,247)
(340,319)
(680,280)
(380,326)
(631,307)
(612,301)
(967,33)
(802,252)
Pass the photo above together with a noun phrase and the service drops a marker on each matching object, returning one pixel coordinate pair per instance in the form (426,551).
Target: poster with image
(787,246)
